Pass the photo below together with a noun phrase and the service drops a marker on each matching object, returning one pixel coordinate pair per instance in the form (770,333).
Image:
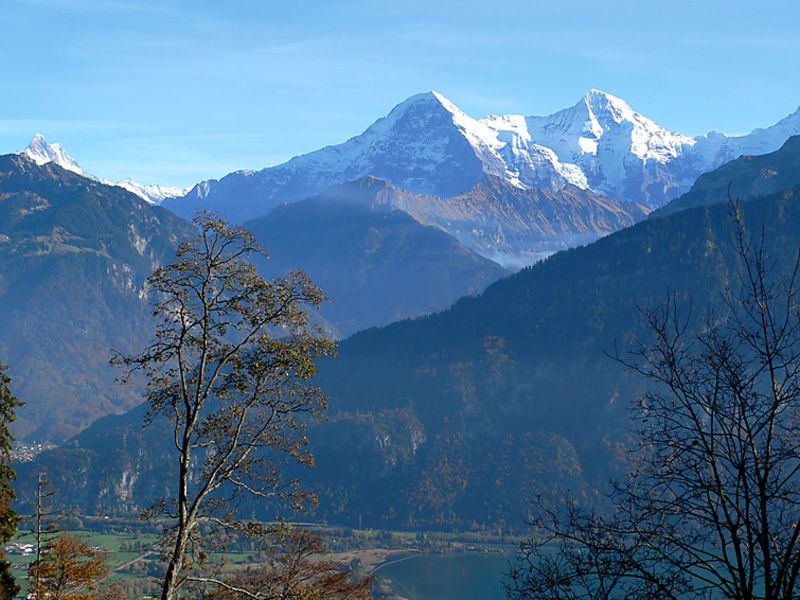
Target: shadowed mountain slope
(745,177)
(376,266)
(74,254)
(462,417)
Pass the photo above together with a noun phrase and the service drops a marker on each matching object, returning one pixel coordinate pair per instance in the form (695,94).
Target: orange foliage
(69,570)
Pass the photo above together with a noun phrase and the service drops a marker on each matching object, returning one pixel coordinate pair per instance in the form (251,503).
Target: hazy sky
(175,92)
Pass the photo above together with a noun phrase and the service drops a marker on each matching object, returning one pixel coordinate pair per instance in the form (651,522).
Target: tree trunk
(169,590)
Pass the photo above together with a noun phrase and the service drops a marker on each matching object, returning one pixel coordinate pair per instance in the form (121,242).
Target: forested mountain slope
(745,177)
(461,418)
(376,266)
(74,254)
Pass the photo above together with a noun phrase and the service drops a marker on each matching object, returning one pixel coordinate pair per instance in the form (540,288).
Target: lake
(449,576)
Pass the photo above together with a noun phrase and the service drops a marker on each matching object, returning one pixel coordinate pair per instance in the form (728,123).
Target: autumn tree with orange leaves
(69,570)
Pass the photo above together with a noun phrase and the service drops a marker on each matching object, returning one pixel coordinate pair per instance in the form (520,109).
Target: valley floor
(410,565)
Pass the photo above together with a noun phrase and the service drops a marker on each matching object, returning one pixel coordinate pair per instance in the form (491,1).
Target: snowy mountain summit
(153,193)
(42,152)
(607,145)
(427,145)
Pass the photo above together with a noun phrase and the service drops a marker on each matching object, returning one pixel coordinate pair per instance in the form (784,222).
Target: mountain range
(460,418)
(512,188)
(42,152)
(74,254)
(427,145)
(511,226)
(451,419)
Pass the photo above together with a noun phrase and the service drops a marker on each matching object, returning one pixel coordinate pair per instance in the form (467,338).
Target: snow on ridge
(153,193)
(505,152)
(42,152)
(601,119)
(426,144)
(588,145)
(721,147)
(598,141)
(476,130)
(605,104)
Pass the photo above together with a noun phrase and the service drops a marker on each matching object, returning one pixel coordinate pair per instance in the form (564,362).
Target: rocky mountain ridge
(512,188)
(461,418)
(509,225)
(428,146)
(42,152)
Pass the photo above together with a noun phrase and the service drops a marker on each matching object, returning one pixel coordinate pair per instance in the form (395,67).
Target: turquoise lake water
(449,577)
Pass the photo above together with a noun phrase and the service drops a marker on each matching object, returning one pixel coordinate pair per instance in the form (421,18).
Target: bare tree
(296,567)
(711,507)
(44,528)
(229,369)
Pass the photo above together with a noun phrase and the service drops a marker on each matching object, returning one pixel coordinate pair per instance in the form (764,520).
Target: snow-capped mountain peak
(601,119)
(426,109)
(424,101)
(604,106)
(648,140)
(432,108)
(424,106)
(427,145)
(41,152)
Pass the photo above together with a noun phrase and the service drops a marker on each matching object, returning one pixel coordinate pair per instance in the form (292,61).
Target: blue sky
(176,92)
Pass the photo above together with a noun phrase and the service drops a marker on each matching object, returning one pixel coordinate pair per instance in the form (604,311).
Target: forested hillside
(376,266)
(74,254)
(461,418)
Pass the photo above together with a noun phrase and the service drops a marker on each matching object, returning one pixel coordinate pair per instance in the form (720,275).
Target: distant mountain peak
(606,107)
(41,152)
(153,193)
(426,109)
(430,98)
(427,145)
(594,96)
